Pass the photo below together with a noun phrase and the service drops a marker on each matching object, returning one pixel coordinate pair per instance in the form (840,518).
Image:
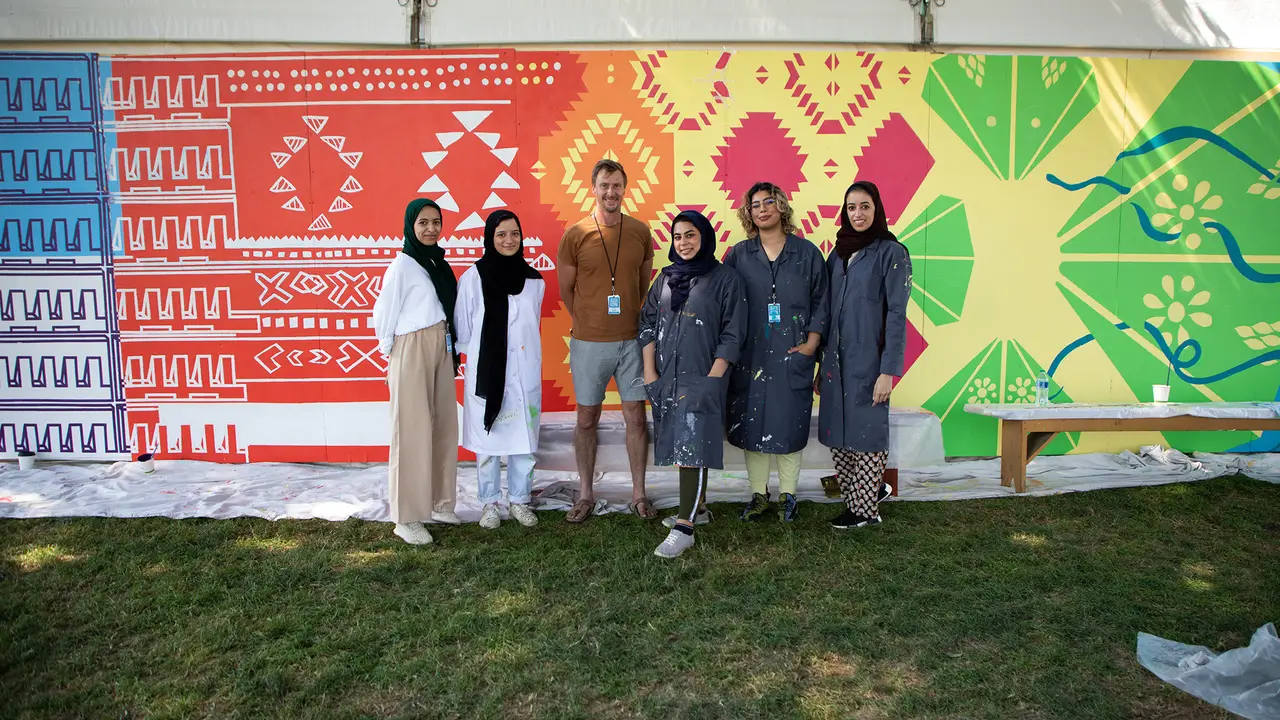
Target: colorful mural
(192,245)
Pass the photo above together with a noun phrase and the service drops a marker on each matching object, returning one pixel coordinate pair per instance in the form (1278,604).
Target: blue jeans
(519,478)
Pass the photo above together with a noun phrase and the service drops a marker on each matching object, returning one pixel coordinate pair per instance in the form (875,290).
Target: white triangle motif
(315,122)
(282,185)
(490,139)
(447,202)
(433,158)
(351,185)
(543,263)
(506,155)
(351,158)
(447,139)
(335,141)
(294,142)
(320,223)
(433,185)
(471,119)
(494,202)
(339,204)
(505,182)
(293,204)
(280,158)
(472,222)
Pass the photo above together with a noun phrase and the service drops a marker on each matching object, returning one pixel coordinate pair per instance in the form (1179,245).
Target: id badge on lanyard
(775,313)
(615,304)
(448,342)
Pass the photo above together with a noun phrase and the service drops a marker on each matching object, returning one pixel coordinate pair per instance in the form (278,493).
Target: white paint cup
(1160,393)
(26,459)
(147,462)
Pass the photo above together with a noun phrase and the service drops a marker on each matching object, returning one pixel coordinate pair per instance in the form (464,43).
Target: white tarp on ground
(1245,681)
(183,489)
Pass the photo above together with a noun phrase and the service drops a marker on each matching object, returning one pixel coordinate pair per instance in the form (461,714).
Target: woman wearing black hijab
(864,352)
(691,331)
(412,319)
(498,313)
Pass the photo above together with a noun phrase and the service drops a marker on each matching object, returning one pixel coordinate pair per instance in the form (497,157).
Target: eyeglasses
(766,203)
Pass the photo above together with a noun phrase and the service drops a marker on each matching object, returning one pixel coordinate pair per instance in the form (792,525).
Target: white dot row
(343,87)
(489,67)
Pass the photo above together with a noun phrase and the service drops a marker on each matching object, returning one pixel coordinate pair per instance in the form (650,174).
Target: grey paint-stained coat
(771,390)
(868,338)
(689,406)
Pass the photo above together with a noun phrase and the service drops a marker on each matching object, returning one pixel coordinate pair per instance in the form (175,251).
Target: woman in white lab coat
(497,317)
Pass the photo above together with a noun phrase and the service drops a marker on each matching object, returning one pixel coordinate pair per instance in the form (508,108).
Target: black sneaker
(756,509)
(885,492)
(848,521)
(790,511)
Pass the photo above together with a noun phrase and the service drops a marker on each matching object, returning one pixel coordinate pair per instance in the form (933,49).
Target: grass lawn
(1017,608)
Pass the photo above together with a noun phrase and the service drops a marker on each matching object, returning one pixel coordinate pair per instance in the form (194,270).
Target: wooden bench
(1025,430)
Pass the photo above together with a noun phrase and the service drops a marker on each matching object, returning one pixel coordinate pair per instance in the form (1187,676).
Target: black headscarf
(431,258)
(680,273)
(849,240)
(500,276)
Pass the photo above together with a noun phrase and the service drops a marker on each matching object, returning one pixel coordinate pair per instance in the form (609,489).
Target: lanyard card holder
(615,304)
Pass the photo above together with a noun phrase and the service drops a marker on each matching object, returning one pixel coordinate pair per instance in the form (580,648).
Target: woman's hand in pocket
(806,348)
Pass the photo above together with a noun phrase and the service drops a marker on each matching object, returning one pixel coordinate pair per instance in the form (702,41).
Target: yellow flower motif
(1187,208)
(1176,306)
(984,391)
(1023,390)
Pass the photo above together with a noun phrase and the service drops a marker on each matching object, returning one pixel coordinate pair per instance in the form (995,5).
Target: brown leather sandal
(649,513)
(580,511)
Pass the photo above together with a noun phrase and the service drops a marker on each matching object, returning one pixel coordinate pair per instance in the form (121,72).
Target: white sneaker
(445,517)
(676,543)
(523,514)
(702,518)
(489,518)
(414,533)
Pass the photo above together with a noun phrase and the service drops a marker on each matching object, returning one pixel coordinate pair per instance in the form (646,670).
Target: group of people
(730,349)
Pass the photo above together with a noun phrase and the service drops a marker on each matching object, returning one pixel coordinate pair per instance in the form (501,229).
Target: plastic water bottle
(1042,389)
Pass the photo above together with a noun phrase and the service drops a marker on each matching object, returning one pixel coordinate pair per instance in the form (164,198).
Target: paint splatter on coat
(868,338)
(689,406)
(771,390)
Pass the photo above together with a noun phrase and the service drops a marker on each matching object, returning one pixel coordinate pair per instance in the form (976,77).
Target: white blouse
(406,303)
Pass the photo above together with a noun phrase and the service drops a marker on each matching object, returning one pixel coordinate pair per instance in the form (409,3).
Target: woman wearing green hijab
(413,319)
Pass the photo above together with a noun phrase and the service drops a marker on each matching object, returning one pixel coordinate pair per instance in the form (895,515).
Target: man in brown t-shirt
(605,264)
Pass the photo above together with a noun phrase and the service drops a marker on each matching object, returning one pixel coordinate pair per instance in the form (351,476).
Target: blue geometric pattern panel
(59,339)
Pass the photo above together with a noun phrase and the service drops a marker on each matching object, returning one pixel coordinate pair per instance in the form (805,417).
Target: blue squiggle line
(1072,347)
(1174,358)
(1237,257)
(1186,132)
(1096,180)
(1145,222)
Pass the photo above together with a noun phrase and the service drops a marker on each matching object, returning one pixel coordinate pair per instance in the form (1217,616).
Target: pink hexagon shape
(897,162)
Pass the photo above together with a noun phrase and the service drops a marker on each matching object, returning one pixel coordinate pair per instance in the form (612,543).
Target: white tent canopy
(1199,25)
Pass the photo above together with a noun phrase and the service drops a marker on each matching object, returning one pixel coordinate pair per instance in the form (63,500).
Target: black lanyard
(773,271)
(613,263)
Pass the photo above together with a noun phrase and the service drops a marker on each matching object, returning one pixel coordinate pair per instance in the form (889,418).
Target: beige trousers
(423,464)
